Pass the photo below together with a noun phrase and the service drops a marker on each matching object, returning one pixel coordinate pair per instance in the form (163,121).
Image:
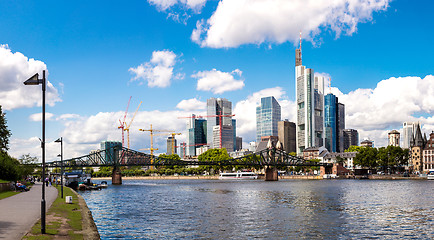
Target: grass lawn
(7,194)
(62,219)
(3,181)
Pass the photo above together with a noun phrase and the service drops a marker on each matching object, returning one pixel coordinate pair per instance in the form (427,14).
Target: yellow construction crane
(173,141)
(151,131)
(127,128)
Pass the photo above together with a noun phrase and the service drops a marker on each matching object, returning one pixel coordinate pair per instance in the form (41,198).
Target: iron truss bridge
(117,156)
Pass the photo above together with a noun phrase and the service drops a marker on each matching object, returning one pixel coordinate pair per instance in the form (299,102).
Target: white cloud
(37,117)
(67,116)
(218,82)
(376,111)
(235,23)
(245,111)
(163,5)
(158,72)
(191,105)
(15,68)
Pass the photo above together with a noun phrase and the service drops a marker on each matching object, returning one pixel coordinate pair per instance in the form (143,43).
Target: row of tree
(388,158)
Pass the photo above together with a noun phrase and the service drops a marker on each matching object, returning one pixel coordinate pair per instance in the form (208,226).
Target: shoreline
(299,177)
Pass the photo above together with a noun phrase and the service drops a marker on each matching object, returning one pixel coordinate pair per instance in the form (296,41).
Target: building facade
(341,127)
(331,122)
(350,138)
(310,107)
(394,138)
(197,135)
(367,143)
(215,107)
(225,139)
(408,131)
(428,155)
(417,145)
(109,146)
(171,145)
(287,135)
(268,114)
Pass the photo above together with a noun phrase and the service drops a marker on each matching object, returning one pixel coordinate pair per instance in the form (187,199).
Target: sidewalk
(20,212)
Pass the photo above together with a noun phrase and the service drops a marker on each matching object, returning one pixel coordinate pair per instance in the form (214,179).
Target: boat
(238,175)
(430,175)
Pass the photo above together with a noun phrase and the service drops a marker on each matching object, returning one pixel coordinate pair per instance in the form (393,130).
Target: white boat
(430,175)
(238,175)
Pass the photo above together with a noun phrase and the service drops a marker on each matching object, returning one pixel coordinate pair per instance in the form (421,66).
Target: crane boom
(122,126)
(127,128)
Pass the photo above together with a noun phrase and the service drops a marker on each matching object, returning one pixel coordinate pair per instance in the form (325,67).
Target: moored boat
(430,175)
(239,175)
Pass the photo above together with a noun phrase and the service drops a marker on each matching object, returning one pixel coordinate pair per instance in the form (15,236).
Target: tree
(28,165)
(218,156)
(354,148)
(8,167)
(366,157)
(4,132)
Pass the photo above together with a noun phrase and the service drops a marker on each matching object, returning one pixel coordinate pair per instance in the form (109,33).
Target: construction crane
(151,131)
(127,128)
(184,146)
(172,140)
(220,116)
(122,126)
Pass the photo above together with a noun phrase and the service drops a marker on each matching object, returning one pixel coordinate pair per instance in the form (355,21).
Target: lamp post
(61,164)
(34,80)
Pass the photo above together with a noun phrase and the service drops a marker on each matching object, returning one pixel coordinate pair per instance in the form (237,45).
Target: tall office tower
(341,127)
(183,147)
(108,145)
(408,130)
(394,138)
(219,106)
(286,134)
(267,117)
(334,123)
(234,126)
(226,137)
(197,130)
(351,138)
(171,140)
(310,107)
(239,143)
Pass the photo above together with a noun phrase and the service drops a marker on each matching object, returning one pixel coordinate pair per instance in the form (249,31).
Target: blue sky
(377,53)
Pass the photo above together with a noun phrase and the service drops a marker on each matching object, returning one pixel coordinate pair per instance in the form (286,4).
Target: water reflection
(196,209)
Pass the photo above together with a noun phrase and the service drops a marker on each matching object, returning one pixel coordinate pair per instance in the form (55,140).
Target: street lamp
(34,80)
(61,164)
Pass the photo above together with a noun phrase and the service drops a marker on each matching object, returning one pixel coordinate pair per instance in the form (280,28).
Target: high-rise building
(267,117)
(408,130)
(239,143)
(350,138)
(394,138)
(171,140)
(334,123)
(226,137)
(286,134)
(197,131)
(234,126)
(219,106)
(108,145)
(310,107)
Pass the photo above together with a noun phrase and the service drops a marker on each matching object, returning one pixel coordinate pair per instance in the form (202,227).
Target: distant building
(267,116)
(220,106)
(367,143)
(394,138)
(350,138)
(182,151)
(252,146)
(408,131)
(264,142)
(341,127)
(310,106)
(314,153)
(197,135)
(428,154)
(234,126)
(171,144)
(348,158)
(334,123)
(109,146)
(417,145)
(239,144)
(287,135)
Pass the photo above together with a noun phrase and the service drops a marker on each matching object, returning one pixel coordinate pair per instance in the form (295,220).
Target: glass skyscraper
(197,131)
(330,122)
(217,106)
(268,114)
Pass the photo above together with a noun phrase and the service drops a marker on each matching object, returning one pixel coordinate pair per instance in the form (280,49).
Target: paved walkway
(20,212)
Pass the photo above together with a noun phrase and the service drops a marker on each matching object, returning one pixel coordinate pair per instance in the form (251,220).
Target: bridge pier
(116,176)
(271,174)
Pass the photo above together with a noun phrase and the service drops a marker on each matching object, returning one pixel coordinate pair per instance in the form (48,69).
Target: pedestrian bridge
(270,158)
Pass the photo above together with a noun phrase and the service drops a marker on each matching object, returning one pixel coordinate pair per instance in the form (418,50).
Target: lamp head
(58,140)
(34,80)
(60,155)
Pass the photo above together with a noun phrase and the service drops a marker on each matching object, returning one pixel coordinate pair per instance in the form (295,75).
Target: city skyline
(173,55)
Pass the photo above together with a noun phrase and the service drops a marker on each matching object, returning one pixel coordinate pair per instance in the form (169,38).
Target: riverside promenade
(20,212)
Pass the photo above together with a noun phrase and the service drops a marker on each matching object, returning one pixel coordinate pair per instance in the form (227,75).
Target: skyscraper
(286,134)
(351,138)
(197,131)
(408,130)
(171,140)
(334,123)
(267,117)
(310,106)
(219,106)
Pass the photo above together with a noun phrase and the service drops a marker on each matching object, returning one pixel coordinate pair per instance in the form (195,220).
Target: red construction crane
(123,124)
(220,121)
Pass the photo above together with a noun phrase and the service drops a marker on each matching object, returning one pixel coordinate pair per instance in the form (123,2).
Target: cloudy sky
(172,55)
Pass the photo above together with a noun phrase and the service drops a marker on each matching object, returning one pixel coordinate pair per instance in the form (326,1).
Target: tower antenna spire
(300,44)
(330,85)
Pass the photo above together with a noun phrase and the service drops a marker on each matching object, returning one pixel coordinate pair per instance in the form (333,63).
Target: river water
(287,209)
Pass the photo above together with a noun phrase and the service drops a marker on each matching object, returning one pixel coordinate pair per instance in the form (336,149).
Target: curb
(90,231)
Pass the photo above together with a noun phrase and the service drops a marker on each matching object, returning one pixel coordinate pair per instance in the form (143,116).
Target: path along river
(287,209)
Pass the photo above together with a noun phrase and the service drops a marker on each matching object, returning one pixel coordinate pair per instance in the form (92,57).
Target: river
(255,209)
